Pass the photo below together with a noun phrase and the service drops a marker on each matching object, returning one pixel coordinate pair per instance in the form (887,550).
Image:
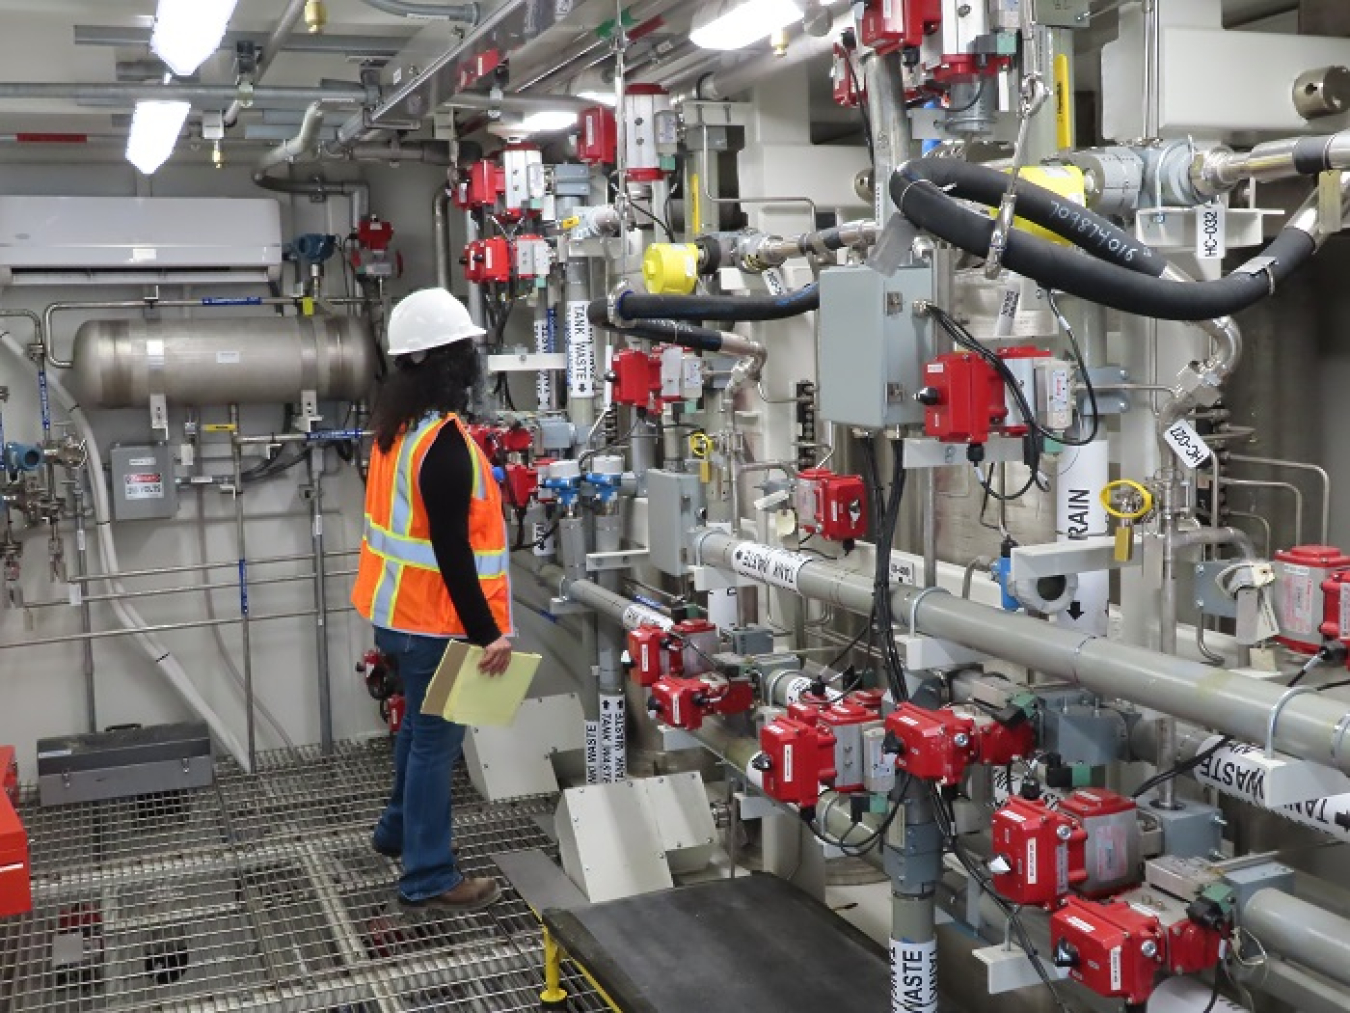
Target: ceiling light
(604,98)
(154,132)
(547,120)
(735,24)
(188,32)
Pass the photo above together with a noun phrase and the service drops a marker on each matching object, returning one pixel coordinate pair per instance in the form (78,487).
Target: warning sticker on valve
(780,567)
(143,485)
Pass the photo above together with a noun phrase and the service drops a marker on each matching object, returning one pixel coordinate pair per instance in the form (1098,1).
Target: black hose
(1097,280)
(636,306)
(670,332)
(1087,229)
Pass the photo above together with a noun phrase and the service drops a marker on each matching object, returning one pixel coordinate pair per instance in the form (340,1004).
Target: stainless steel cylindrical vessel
(235,360)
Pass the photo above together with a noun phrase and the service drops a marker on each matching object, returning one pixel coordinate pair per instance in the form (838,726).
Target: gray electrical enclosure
(142,482)
(872,346)
(674,499)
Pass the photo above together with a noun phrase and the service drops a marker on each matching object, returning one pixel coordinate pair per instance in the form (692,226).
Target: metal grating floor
(262,894)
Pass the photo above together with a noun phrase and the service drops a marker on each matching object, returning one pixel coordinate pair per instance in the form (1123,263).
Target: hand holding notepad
(460,692)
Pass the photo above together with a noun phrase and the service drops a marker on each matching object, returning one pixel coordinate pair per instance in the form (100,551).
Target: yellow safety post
(553,994)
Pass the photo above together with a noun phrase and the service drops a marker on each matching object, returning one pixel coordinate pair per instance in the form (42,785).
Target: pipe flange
(612,301)
(1049,595)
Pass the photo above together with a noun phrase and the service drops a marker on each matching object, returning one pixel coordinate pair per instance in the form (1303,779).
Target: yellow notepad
(460,692)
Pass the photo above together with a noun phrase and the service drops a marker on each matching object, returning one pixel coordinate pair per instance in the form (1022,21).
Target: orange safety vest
(398,583)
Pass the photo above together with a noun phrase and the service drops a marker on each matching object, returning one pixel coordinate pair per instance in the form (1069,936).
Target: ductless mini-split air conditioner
(138,240)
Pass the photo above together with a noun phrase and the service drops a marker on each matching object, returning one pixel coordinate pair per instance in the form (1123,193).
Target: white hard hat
(428,319)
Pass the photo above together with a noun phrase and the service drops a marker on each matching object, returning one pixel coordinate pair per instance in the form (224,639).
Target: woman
(433,568)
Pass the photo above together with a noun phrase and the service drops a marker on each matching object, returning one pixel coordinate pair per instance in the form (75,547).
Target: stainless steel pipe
(325,684)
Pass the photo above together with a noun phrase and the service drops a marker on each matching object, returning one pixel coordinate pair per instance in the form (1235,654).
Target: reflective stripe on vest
(416,552)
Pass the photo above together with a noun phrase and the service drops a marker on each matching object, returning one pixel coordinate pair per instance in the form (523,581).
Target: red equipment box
(1300,607)
(1111,948)
(1042,850)
(16,895)
(963,399)
(598,142)
(891,25)
(9,774)
(831,506)
(797,759)
(647,653)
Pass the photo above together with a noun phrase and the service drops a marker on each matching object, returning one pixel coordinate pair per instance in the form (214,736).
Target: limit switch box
(142,482)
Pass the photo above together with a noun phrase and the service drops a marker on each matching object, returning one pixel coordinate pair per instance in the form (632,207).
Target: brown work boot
(471,895)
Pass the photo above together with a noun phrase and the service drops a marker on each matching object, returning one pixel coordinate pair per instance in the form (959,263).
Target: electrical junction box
(873,347)
(674,499)
(124,762)
(143,485)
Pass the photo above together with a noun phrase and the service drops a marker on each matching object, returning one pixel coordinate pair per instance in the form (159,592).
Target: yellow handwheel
(701,448)
(1145,499)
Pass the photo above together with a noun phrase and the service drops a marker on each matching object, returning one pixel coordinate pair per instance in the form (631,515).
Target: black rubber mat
(755,944)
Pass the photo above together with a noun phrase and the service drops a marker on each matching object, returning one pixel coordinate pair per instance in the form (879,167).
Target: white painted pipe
(1083,472)
(159,655)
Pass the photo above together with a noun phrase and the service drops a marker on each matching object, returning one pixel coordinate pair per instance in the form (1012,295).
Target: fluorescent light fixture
(155,127)
(188,32)
(602,98)
(548,119)
(735,24)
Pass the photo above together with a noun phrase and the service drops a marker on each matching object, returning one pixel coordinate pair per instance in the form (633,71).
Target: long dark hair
(439,383)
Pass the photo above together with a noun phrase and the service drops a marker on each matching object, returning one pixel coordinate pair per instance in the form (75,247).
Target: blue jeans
(418,820)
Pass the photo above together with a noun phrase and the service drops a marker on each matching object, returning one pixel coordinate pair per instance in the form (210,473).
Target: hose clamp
(1278,709)
(1260,265)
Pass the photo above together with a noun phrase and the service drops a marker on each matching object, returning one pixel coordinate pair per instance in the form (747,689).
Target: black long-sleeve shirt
(446,482)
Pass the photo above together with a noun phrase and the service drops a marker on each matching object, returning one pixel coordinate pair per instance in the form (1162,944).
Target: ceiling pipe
(366,47)
(720,85)
(467,13)
(197,94)
(643,13)
(290,17)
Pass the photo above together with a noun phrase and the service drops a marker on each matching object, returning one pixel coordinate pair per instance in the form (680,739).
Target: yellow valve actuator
(670,268)
(1065,180)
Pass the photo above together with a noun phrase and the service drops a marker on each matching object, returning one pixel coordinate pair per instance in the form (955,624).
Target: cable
(1120,272)
(862,106)
(1013,914)
(665,225)
(1080,361)
(966,340)
(857,849)
(979,94)
(1218,982)
(1187,766)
